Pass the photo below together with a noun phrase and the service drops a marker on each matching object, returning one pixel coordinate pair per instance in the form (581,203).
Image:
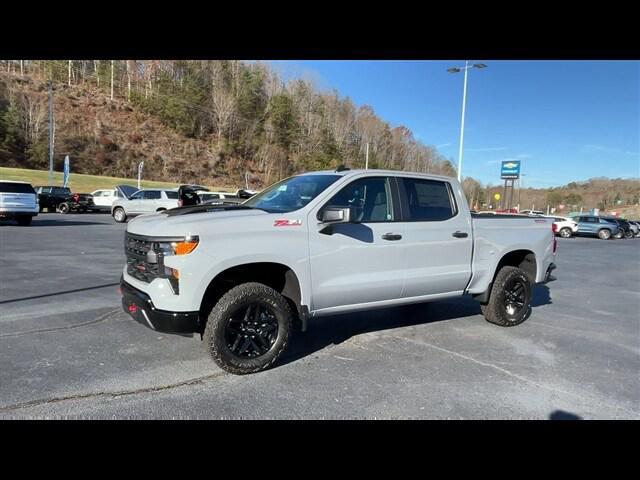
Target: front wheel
(248,329)
(565,232)
(63,208)
(619,235)
(510,299)
(628,234)
(119,215)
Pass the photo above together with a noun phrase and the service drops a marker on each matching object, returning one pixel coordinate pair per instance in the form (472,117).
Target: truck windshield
(291,193)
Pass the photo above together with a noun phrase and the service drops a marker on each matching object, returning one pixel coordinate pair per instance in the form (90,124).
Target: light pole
(464,101)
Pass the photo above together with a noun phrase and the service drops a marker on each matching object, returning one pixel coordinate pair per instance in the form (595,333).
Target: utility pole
(69,81)
(50,132)
(366,164)
(111,79)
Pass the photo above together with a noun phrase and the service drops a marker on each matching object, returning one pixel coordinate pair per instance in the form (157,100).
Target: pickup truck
(325,243)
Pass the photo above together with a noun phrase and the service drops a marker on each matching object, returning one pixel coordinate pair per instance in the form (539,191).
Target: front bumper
(140,307)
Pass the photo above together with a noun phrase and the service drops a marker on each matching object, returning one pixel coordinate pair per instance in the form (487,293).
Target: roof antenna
(342,168)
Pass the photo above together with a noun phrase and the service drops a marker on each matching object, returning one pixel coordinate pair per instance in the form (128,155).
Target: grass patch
(79,183)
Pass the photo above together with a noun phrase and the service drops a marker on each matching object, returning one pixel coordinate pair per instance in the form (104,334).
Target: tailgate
(17,200)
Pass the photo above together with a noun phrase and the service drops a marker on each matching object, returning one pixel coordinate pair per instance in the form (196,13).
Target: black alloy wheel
(251,332)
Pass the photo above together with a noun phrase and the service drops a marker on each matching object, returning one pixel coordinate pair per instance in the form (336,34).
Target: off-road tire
(24,221)
(604,234)
(119,215)
(235,299)
(494,311)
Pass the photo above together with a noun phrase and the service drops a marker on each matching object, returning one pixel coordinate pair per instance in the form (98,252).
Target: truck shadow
(336,329)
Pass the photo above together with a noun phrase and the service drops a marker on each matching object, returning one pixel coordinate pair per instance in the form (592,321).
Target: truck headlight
(184,247)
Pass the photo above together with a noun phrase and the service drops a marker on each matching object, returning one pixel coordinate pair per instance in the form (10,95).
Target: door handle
(391,236)
(460,234)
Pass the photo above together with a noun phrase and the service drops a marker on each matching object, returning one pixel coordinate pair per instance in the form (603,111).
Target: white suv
(143,201)
(19,201)
(565,227)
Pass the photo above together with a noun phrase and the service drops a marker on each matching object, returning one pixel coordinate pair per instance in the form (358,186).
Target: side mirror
(336,215)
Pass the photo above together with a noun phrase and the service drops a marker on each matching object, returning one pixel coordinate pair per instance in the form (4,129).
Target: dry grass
(77,182)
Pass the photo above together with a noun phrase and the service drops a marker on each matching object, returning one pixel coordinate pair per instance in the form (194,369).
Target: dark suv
(50,197)
(625,229)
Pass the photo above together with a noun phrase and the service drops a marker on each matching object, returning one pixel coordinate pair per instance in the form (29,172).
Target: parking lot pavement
(67,350)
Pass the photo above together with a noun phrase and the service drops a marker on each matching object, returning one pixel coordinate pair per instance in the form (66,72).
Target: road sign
(510,169)
(497,196)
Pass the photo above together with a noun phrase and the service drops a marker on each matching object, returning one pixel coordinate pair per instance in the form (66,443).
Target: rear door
(150,201)
(357,263)
(438,238)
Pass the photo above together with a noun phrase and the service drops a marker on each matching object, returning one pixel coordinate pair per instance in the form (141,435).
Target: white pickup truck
(325,243)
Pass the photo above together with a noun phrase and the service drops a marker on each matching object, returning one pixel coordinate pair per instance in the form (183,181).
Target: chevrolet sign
(510,169)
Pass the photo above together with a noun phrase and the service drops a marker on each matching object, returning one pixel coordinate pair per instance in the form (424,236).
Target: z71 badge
(283,222)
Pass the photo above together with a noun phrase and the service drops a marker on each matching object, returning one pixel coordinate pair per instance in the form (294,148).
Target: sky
(565,120)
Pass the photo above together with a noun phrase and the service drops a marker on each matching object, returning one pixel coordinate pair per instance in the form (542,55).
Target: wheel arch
(521,258)
(279,276)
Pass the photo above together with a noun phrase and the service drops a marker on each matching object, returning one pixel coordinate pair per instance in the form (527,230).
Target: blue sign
(510,169)
(67,171)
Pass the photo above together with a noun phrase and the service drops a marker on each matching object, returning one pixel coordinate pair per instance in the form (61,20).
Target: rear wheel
(249,328)
(64,208)
(24,221)
(510,299)
(628,234)
(619,235)
(565,232)
(604,234)
(119,215)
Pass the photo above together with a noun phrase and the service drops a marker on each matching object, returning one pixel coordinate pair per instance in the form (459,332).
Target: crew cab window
(369,199)
(97,194)
(171,195)
(152,195)
(61,191)
(137,196)
(428,200)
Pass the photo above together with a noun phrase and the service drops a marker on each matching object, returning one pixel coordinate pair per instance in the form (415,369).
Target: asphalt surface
(68,351)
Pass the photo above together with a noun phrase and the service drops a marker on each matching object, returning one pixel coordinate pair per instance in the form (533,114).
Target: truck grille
(136,249)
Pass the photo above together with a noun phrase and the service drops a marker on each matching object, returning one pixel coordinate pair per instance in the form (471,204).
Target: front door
(359,262)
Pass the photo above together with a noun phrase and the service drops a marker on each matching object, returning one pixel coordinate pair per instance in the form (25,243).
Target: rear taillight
(180,202)
(554,228)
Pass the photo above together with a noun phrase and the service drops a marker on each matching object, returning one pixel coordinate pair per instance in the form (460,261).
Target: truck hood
(197,223)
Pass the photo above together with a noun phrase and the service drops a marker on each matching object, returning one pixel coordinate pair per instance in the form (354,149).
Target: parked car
(147,200)
(103,199)
(77,203)
(635,228)
(565,227)
(325,243)
(18,201)
(50,197)
(593,225)
(625,228)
